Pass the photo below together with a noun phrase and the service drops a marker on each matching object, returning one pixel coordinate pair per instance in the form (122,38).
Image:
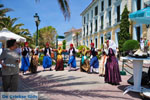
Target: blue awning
(141,16)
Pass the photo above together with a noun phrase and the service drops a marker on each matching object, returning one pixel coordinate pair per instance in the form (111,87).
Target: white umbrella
(5,34)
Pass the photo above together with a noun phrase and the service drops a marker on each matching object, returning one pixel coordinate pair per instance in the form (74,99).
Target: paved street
(74,85)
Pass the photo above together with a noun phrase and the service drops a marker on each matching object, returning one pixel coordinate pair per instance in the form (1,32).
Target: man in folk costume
(72,60)
(25,63)
(47,61)
(94,63)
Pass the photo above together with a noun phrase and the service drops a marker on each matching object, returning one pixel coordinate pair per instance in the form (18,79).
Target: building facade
(73,36)
(101,19)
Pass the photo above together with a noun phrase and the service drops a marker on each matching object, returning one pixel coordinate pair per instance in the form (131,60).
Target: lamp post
(37,21)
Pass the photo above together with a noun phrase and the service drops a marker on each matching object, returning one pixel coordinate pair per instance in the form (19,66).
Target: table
(137,74)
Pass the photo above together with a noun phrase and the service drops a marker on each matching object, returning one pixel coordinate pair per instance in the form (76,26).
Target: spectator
(10,67)
(142,44)
(145,45)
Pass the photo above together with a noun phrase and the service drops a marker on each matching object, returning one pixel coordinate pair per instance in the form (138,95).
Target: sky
(49,12)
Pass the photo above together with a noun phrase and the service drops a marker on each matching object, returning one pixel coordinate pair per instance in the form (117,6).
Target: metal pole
(36,34)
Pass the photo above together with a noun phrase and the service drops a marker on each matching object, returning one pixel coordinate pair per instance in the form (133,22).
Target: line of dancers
(108,68)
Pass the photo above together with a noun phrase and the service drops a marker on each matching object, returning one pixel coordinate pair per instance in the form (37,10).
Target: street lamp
(37,21)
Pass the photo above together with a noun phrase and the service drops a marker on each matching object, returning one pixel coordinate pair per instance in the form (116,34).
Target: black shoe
(50,69)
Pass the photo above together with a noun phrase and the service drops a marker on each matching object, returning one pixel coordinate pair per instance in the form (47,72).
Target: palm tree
(4,10)
(77,34)
(64,6)
(16,28)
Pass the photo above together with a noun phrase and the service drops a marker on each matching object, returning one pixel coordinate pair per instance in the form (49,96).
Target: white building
(101,19)
(72,37)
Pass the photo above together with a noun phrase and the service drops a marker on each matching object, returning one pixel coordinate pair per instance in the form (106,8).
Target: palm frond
(65,8)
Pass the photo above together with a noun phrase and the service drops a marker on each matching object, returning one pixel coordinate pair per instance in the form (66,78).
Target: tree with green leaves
(124,34)
(64,44)
(46,34)
(9,23)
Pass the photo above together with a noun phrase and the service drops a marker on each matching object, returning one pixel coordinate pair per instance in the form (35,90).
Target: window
(84,43)
(87,43)
(87,17)
(96,10)
(138,31)
(96,43)
(138,4)
(91,14)
(91,28)
(109,18)
(102,21)
(109,2)
(84,20)
(102,6)
(84,31)
(102,40)
(96,25)
(108,36)
(87,29)
(118,13)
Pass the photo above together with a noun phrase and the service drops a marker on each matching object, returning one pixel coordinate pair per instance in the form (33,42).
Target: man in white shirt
(47,61)
(72,60)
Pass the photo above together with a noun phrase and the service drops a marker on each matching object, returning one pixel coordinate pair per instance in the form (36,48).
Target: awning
(5,34)
(141,16)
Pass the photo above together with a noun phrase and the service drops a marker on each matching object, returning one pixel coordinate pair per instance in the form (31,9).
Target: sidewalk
(75,85)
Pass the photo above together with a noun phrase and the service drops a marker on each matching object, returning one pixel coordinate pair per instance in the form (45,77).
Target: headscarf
(112,45)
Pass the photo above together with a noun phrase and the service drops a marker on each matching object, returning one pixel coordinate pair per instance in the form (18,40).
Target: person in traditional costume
(94,63)
(112,73)
(34,60)
(25,63)
(102,64)
(84,64)
(47,61)
(72,60)
(59,62)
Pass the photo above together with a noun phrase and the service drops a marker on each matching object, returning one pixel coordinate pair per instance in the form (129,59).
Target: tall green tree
(124,34)
(64,6)
(46,34)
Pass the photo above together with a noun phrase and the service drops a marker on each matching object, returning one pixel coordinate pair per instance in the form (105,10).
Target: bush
(81,47)
(41,59)
(130,45)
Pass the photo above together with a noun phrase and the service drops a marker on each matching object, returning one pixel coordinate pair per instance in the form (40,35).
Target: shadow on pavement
(133,94)
(52,85)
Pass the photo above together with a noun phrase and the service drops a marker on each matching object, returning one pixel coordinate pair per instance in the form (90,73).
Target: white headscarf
(113,46)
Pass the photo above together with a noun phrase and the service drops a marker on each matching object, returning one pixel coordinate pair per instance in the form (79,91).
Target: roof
(72,30)
(93,1)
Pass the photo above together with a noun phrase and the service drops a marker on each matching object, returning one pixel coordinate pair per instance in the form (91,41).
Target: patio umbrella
(5,34)
(141,16)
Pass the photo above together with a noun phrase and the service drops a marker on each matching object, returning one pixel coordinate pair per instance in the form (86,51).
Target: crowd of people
(107,68)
